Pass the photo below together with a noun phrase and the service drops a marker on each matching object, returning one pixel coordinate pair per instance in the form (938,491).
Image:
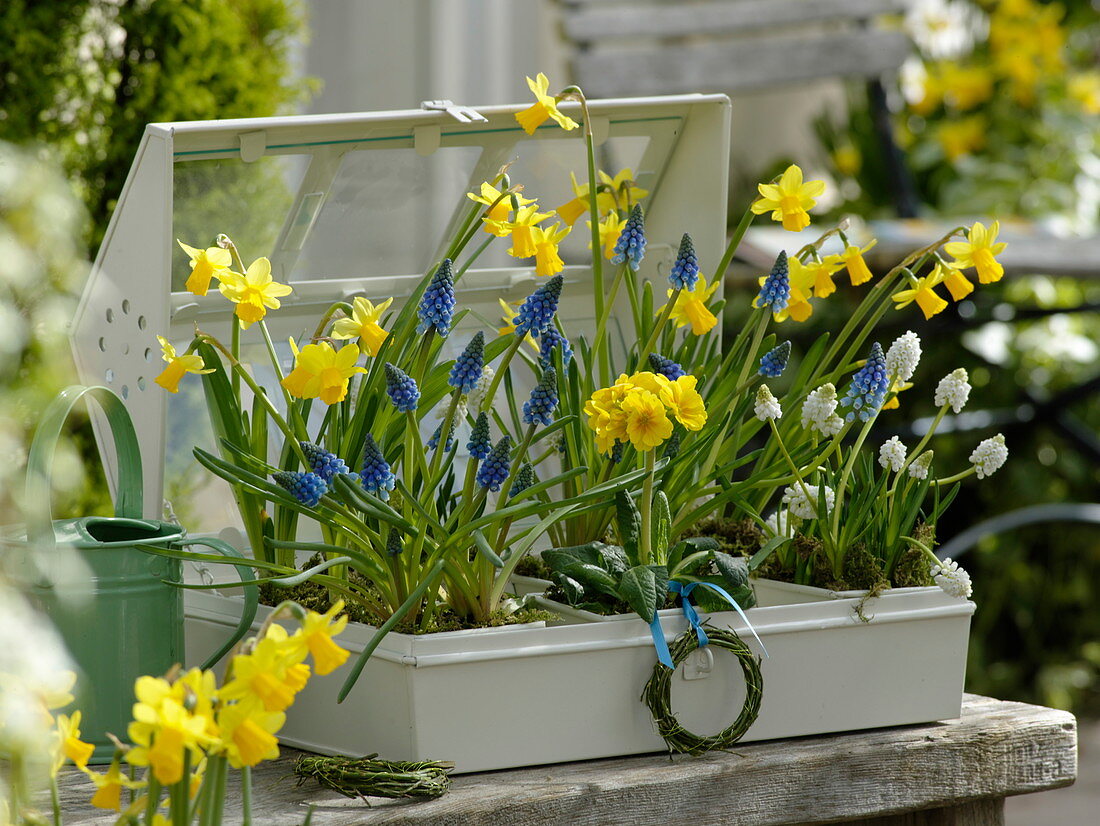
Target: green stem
(646,509)
(603,358)
(55,802)
(505,360)
(593,208)
(734,243)
(956,478)
(643,354)
(246,796)
(845,474)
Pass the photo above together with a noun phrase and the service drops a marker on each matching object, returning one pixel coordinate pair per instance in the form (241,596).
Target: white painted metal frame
(128,298)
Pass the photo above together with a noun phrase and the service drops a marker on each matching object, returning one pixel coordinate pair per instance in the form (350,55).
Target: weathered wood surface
(942,774)
(593,22)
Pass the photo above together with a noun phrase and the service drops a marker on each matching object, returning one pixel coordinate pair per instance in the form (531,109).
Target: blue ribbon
(692,616)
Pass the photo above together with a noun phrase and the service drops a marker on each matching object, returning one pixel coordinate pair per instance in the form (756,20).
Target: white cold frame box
(358,204)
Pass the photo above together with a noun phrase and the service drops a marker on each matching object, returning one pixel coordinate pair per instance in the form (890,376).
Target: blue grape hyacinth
(468,366)
(550,339)
(376,476)
(538,309)
(666,367)
(307,488)
(869,386)
(774,362)
(525,477)
(494,470)
(630,248)
(433,442)
(479,444)
(394,543)
(437,306)
(776,292)
(401,388)
(324,464)
(539,409)
(685,271)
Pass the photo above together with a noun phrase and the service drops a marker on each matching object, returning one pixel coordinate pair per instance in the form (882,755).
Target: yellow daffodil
(965,87)
(801,278)
(254,292)
(574,208)
(68,745)
(957,284)
(109,786)
(545,106)
(547,260)
(322,372)
(620,192)
(1084,88)
(684,402)
(500,207)
(315,637)
(691,307)
(852,259)
(364,324)
(789,199)
(924,293)
(848,160)
(248,734)
(267,674)
(978,251)
(161,735)
(647,423)
(170,377)
(821,273)
(508,313)
(212,262)
(896,390)
(962,137)
(520,228)
(611,228)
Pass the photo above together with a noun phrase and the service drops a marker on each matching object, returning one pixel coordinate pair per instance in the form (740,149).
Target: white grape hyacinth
(780,523)
(903,357)
(892,454)
(918,468)
(477,395)
(767,405)
(805,506)
(989,455)
(953,389)
(819,411)
(954,581)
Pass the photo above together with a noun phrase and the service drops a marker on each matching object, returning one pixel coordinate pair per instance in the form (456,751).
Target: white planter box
(772,592)
(527,695)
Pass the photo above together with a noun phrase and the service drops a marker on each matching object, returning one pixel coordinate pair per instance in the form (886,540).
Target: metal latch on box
(463,114)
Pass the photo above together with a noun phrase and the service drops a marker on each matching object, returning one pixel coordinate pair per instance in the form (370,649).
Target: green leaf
(572,590)
(661,524)
(483,548)
(734,569)
(629,522)
(584,564)
(643,588)
(614,557)
(769,547)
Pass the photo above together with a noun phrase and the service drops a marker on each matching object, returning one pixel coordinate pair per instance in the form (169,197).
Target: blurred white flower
(944,29)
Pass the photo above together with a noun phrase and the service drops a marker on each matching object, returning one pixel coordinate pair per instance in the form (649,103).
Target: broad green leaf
(661,524)
(629,522)
(643,589)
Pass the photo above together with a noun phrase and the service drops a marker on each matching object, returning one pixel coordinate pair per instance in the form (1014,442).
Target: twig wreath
(657,694)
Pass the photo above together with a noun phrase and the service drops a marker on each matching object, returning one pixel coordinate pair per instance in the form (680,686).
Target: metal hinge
(463,114)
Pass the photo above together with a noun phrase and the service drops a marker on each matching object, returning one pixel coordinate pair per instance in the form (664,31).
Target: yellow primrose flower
(68,745)
(789,199)
(605,414)
(212,262)
(109,786)
(646,380)
(248,734)
(977,251)
(691,307)
(322,372)
(523,239)
(364,324)
(545,106)
(170,377)
(267,674)
(924,293)
(647,423)
(852,259)
(499,207)
(685,403)
(315,637)
(547,260)
(611,228)
(608,199)
(254,292)
(957,284)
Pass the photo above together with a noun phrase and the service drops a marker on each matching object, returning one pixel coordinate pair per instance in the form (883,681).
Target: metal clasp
(463,114)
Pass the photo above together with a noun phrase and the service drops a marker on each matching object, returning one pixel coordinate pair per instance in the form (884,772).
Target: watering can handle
(128,495)
(251,593)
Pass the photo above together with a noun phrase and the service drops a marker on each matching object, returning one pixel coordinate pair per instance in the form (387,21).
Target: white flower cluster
(918,468)
(819,411)
(477,395)
(954,580)
(988,456)
(903,356)
(781,523)
(953,389)
(460,410)
(805,506)
(892,454)
(945,29)
(767,405)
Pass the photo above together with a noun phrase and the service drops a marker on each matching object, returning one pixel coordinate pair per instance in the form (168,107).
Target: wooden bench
(955,773)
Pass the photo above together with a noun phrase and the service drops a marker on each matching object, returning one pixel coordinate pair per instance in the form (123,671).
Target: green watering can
(127,620)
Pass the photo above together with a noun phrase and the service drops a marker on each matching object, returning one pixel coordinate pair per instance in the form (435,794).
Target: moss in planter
(912,570)
(532,565)
(863,570)
(737,537)
(602,604)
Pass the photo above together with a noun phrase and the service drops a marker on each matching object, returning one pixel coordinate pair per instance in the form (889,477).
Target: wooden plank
(587,23)
(966,765)
(740,64)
